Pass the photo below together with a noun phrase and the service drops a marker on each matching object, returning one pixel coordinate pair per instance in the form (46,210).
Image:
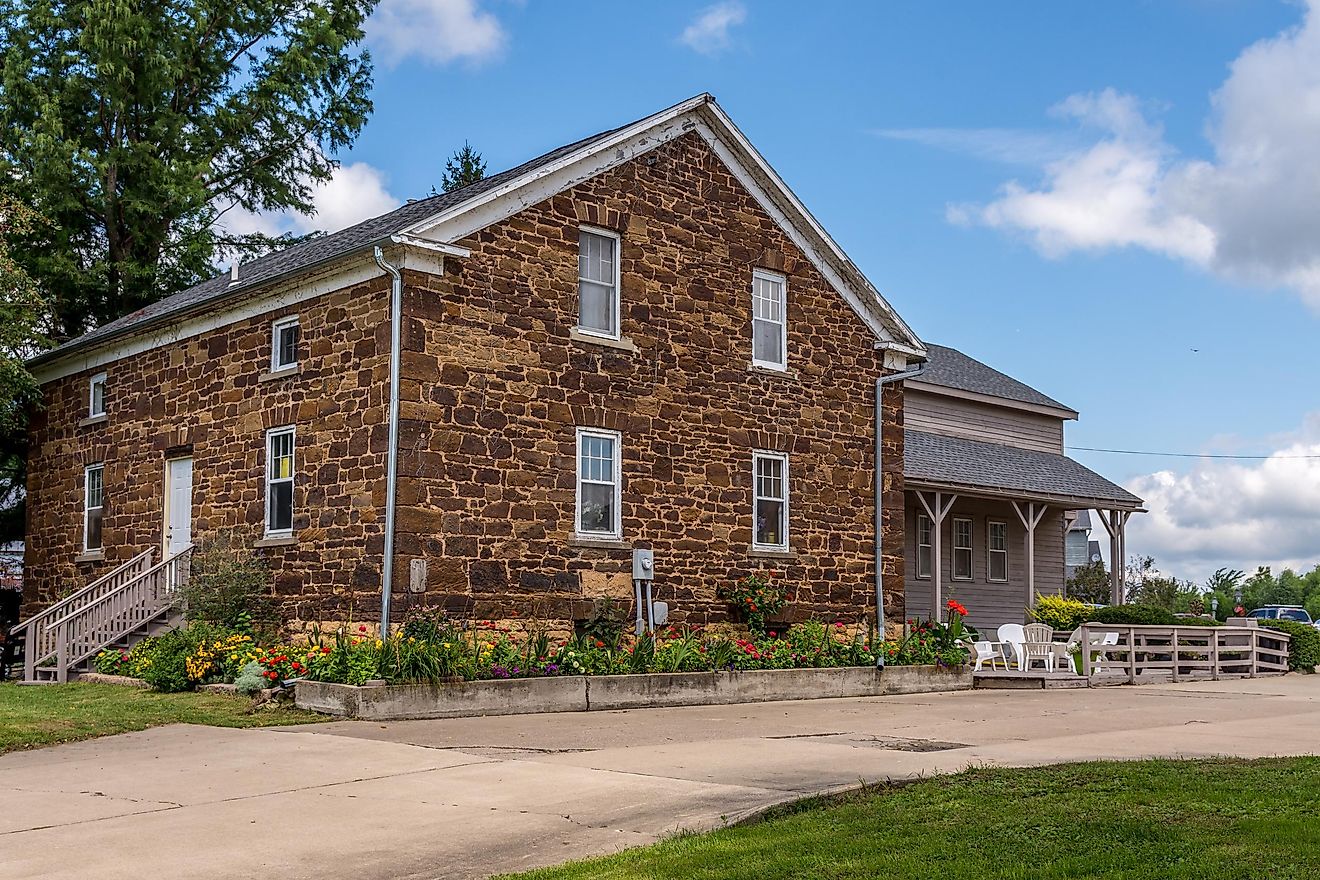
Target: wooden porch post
(937,515)
(1109,519)
(1030,520)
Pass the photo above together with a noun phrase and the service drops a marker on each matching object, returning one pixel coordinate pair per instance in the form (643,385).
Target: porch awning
(934,461)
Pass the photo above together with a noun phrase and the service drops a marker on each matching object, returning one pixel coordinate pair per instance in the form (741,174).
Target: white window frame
(270,480)
(782,281)
(616,530)
(926,546)
(782,458)
(618,259)
(990,551)
(955,549)
(275,328)
(92,411)
(98,468)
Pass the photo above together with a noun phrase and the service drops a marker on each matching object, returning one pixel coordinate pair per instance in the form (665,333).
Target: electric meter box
(643,565)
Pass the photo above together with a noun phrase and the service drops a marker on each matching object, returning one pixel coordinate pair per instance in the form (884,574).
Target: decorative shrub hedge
(1303,646)
(1136,615)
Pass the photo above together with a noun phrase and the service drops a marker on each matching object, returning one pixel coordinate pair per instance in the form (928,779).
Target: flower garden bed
(586,693)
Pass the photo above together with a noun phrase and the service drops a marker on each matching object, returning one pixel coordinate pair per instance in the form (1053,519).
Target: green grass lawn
(1145,821)
(42,715)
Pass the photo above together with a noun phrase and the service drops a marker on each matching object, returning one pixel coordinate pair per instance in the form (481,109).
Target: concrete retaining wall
(582,693)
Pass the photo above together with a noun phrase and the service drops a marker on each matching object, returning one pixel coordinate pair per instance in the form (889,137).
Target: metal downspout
(880,383)
(391,466)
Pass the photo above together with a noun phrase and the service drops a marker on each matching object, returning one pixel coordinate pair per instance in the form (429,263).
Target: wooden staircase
(136,600)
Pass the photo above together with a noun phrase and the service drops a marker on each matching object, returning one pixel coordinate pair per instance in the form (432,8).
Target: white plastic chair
(1013,635)
(989,651)
(1038,645)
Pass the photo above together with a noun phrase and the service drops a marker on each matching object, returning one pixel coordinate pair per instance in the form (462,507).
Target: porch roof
(975,467)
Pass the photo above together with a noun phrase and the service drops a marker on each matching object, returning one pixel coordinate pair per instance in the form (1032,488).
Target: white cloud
(354,193)
(1236,514)
(1249,214)
(437,31)
(1007,145)
(709,31)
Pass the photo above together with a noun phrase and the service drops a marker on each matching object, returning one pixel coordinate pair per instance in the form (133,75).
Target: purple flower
(551,669)
(499,672)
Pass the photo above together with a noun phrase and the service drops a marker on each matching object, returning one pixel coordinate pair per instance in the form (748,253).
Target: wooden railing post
(1173,647)
(62,653)
(30,653)
(1214,653)
(1132,655)
(1255,648)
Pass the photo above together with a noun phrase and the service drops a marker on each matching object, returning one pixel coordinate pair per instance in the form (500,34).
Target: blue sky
(1111,202)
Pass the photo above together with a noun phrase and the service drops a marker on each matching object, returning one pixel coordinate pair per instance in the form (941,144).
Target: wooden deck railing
(69,633)
(39,640)
(1182,652)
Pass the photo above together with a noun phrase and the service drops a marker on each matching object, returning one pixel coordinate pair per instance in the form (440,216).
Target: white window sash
(962,551)
(782,459)
(88,507)
(616,484)
(612,286)
(779,323)
(94,407)
(272,480)
(276,329)
(923,547)
(992,552)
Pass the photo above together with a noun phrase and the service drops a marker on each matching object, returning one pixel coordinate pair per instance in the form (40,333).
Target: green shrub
(229,586)
(1303,646)
(251,679)
(1062,613)
(1136,614)
(168,670)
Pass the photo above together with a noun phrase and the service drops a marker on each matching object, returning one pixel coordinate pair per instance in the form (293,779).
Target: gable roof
(422,218)
(956,463)
(950,368)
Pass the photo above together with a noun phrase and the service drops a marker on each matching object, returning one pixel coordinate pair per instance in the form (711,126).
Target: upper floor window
(770,500)
(997,550)
(599,484)
(279,481)
(284,343)
(96,396)
(769,323)
(598,282)
(923,545)
(93,505)
(962,549)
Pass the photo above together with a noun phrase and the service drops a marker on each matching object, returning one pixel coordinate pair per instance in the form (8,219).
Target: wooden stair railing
(39,641)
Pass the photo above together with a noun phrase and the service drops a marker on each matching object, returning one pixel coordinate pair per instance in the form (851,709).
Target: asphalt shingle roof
(953,369)
(954,461)
(311,253)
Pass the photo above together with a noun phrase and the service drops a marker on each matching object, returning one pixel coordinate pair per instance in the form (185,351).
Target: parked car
(1283,612)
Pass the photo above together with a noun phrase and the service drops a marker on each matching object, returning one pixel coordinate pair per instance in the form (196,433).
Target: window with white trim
(284,335)
(599,484)
(962,549)
(93,505)
(923,545)
(996,543)
(769,321)
(96,396)
(770,500)
(279,481)
(598,282)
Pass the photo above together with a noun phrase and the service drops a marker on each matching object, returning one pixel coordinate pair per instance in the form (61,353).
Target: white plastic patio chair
(1038,645)
(1011,634)
(992,651)
(1102,641)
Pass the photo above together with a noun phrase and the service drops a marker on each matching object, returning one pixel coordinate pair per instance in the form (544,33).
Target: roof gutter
(392,454)
(880,384)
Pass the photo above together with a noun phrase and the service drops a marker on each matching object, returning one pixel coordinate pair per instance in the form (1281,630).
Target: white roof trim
(1058,412)
(703,115)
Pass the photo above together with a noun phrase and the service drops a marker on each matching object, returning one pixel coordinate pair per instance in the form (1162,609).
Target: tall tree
(131,128)
(464,167)
(23,320)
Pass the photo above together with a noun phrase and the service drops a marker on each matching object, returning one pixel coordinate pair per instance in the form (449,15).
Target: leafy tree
(464,167)
(23,317)
(131,128)
(1089,583)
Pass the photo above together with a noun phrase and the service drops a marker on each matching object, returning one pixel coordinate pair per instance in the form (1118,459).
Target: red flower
(362,628)
(955,605)
(599,643)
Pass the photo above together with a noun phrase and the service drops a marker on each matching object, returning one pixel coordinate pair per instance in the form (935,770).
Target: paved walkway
(475,796)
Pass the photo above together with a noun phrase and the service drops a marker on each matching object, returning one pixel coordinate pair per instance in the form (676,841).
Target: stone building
(642,339)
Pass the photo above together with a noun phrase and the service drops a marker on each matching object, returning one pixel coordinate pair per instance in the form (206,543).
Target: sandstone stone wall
(493,388)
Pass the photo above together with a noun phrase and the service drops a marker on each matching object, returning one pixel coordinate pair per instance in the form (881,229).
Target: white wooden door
(178,504)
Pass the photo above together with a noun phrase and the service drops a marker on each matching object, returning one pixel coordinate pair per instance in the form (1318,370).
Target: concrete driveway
(476,796)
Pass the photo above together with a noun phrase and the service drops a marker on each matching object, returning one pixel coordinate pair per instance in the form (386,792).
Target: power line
(1185,454)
